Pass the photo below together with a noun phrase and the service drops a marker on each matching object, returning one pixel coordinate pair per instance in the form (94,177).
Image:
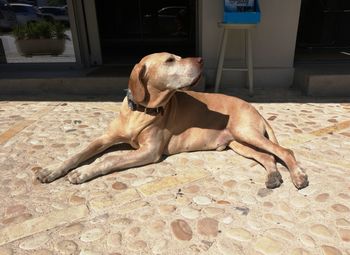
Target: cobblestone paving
(190,203)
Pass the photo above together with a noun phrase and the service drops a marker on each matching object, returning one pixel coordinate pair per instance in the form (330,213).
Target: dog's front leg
(56,171)
(143,156)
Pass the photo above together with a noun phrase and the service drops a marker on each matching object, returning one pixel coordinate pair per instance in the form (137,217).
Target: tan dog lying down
(159,117)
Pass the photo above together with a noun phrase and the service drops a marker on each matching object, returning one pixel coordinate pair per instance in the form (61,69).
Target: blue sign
(241,11)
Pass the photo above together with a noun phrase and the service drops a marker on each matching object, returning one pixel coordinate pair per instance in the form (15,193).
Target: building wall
(273,43)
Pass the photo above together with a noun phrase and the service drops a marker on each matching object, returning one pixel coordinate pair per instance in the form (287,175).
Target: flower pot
(32,47)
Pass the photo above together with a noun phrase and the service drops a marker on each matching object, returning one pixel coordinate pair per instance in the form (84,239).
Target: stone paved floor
(191,203)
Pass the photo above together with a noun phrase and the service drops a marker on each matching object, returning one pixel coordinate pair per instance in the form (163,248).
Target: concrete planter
(32,47)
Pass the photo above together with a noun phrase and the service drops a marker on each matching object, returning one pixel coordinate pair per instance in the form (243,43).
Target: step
(72,84)
(96,86)
(324,80)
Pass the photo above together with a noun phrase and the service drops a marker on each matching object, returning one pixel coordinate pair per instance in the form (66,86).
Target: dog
(161,116)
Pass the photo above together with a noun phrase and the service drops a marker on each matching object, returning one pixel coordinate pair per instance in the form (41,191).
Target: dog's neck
(137,107)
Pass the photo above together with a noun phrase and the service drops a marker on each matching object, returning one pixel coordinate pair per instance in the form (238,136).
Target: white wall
(273,43)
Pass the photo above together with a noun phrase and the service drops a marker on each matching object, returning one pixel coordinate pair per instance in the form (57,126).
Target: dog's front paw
(274,180)
(79,175)
(300,180)
(46,175)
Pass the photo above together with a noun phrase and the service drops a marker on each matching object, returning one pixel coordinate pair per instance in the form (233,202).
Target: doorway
(134,28)
(323,32)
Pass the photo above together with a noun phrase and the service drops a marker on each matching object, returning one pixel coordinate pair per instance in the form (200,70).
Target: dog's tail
(270,133)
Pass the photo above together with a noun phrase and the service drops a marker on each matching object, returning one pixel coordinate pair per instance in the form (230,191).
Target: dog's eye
(170,60)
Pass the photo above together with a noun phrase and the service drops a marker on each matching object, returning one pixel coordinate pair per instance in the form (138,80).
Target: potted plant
(40,38)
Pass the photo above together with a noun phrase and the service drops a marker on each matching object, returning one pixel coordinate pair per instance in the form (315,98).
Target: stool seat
(249,54)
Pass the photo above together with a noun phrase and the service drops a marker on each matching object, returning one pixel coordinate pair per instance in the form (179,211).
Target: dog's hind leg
(274,178)
(269,132)
(97,146)
(259,141)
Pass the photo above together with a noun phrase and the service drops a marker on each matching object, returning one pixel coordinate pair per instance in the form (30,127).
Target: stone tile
(34,242)
(344,234)
(104,203)
(14,130)
(18,127)
(342,222)
(133,232)
(321,231)
(268,246)
(114,240)
(172,181)
(330,250)
(239,234)
(42,223)
(138,245)
(135,205)
(227,247)
(181,230)
(208,227)
(190,213)
(67,247)
(340,208)
(166,209)
(213,211)
(322,197)
(202,200)
(119,186)
(160,247)
(281,233)
(41,252)
(307,241)
(91,235)
(331,129)
(89,252)
(299,251)
(6,251)
(72,229)
(191,189)
(157,227)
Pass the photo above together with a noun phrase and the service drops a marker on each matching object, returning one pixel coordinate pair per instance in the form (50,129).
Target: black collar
(137,107)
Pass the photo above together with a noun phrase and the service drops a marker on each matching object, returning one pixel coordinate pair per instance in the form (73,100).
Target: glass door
(323,33)
(134,28)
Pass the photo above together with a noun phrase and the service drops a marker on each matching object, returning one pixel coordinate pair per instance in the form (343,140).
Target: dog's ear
(137,83)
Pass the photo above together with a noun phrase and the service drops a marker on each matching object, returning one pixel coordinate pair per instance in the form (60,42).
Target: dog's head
(157,77)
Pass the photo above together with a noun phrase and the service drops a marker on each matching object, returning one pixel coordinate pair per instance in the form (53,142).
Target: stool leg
(250,62)
(246,54)
(221,60)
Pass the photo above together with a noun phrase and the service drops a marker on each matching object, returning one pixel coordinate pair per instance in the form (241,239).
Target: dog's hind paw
(274,180)
(300,180)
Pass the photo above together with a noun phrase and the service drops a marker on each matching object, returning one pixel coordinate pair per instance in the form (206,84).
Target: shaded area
(268,95)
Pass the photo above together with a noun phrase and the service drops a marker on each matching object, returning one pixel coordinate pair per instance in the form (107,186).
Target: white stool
(248,57)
